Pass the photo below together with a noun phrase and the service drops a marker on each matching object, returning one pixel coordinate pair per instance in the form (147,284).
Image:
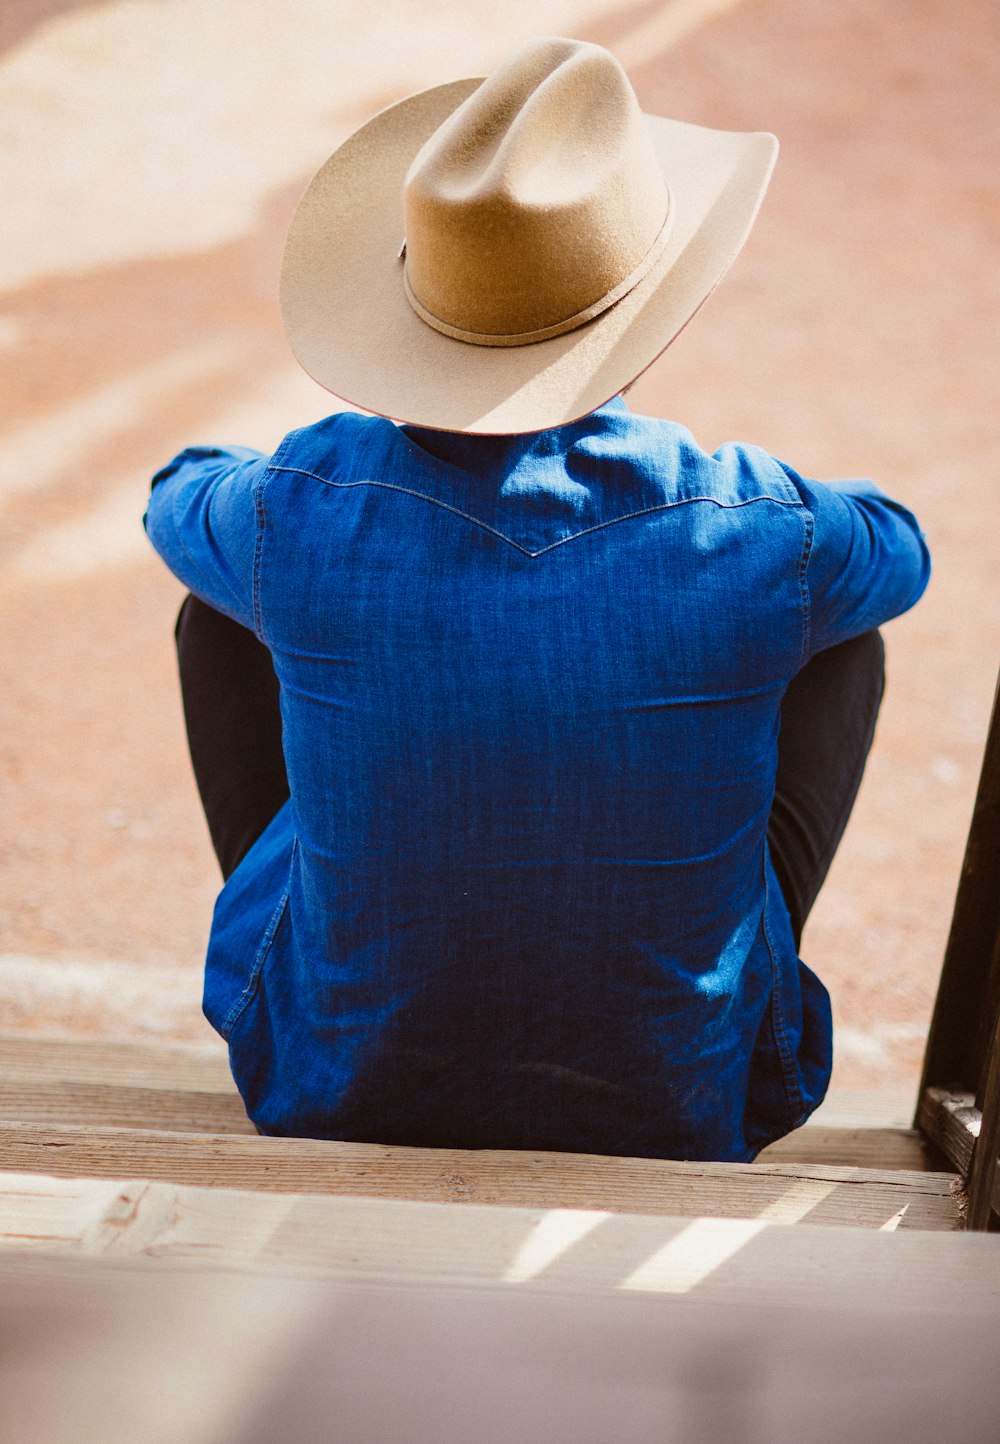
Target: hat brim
(353,330)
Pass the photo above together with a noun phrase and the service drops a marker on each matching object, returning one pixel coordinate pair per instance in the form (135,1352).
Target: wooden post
(963,1049)
(984,1173)
(965,1013)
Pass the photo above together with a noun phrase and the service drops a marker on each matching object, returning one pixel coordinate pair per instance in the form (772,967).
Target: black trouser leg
(827,725)
(233,722)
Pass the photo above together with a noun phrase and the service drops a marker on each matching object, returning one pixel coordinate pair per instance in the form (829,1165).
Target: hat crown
(536,200)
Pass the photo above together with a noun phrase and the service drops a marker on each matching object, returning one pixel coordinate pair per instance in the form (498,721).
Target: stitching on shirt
(258,550)
(807,544)
(785,481)
(253,981)
(501,536)
(260,514)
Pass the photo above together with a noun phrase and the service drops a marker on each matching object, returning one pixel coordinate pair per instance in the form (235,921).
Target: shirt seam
(807,545)
(809,525)
(501,536)
(260,524)
(253,980)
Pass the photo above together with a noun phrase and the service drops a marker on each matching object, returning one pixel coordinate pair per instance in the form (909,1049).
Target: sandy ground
(150,158)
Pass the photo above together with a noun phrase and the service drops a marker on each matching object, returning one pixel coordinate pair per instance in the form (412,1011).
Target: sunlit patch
(553,1234)
(693,1254)
(799,1199)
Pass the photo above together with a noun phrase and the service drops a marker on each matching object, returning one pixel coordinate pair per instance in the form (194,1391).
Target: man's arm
(201,518)
(868,559)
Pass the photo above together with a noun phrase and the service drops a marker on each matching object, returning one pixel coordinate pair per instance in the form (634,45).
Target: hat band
(525,338)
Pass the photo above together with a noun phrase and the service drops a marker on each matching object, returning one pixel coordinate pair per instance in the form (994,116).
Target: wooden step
(171,1066)
(878,1148)
(744,1261)
(102,1351)
(119,1105)
(954,1122)
(189,1090)
(817,1194)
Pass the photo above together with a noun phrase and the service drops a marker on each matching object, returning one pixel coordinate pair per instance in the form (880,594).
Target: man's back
(530,689)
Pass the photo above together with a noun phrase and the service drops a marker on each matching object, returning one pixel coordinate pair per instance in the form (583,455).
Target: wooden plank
(181,1361)
(205,1068)
(104,1061)
(879,1148)
(108,1354)
(864,1108)
(123,1106)
(115,1105)
(777,1192)
(966,1002)
(744,1261)
(985,1170)
(188,1090)
(953,1122)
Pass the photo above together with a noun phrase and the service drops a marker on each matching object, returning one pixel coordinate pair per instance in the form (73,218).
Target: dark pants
(234,732)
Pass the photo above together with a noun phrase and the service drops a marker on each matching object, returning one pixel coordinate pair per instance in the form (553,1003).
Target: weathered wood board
(129,1064)
(747,1261)
(953,1121)
(817,1194)
(188,1090)
(110,1350)
(878,1148)
(118,1105)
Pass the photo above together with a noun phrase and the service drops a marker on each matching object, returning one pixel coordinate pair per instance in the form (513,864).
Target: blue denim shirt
(521,895)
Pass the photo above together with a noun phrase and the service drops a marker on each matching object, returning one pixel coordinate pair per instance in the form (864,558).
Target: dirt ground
(150,158)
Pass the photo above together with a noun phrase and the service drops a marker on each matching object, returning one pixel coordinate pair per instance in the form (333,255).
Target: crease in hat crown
(538,203)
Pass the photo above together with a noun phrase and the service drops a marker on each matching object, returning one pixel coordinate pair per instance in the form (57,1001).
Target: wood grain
(879,1148)
(392,1241)
(816,1194)
(953,1121)
(130,1064)
(983,1178)
(115,1105)
(969,991)
(188,1090)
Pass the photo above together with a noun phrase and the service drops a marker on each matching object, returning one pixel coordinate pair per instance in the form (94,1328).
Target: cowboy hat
(505,254)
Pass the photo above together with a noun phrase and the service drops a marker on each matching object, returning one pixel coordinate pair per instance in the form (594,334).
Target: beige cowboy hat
(506,254)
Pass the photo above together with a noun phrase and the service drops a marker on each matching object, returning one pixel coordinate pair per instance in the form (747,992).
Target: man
(521,863)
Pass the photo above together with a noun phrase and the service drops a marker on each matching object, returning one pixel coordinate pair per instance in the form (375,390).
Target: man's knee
(855,668)
(869,660)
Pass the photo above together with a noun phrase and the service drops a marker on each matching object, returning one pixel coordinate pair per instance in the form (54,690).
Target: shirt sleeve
(868,560)
(201,519)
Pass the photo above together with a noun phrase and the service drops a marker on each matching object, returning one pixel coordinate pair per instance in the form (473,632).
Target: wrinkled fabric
(521,895)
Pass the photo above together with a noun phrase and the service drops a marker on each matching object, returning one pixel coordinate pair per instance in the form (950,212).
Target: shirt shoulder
(735,474)
(330,447)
